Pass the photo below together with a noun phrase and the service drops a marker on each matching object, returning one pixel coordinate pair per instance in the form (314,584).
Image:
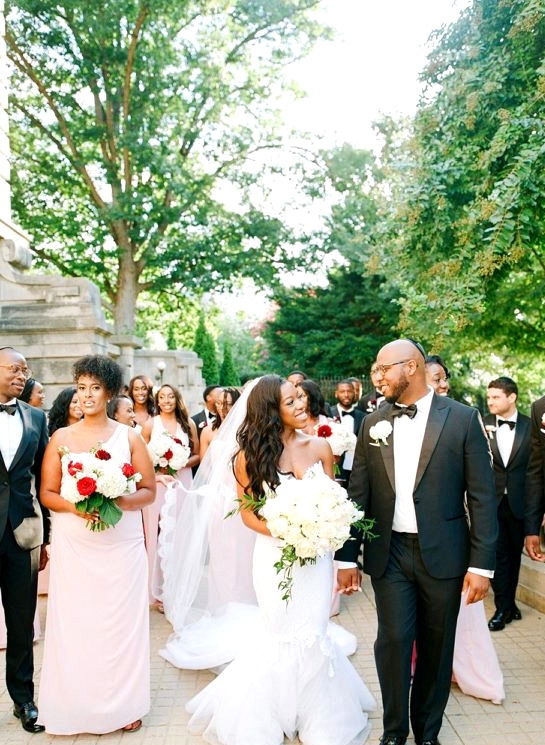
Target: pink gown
(152,514)
(96,662)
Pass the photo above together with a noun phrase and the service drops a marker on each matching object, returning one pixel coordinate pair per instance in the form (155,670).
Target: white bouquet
(168,453)
(340,439)
(312,516)
(92,482)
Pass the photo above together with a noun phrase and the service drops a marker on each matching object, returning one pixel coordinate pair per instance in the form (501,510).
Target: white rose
(380,431)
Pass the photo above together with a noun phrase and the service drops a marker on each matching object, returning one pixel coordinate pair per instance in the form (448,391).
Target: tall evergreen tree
(228,372)
(206,349)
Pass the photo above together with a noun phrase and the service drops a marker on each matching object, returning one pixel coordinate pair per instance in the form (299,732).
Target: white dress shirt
(505,437)
(11,432)
(348,423)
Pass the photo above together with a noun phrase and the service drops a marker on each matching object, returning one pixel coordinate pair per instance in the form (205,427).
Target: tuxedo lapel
(496,451)
(520,431)
(436,421)
(387,451)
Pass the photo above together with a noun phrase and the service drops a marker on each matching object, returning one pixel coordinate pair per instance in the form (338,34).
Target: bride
(288,674)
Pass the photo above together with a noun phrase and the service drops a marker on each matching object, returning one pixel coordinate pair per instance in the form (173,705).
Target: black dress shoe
(28,714)
(516,615)
(430,742)
(392,740)
(500,619)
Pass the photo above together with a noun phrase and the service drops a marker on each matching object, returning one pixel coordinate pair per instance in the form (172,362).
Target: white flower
(165,445)
(341,440)
(380,431)
(490,429)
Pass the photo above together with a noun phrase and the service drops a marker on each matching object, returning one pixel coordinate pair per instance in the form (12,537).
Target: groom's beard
(395,390)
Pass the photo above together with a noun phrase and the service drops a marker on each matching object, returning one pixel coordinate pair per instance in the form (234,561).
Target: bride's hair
(259,435)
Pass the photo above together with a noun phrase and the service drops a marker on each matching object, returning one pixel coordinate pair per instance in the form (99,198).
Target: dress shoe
(28,714)
(392,740)
(430,742)
(500,619)
(516,615)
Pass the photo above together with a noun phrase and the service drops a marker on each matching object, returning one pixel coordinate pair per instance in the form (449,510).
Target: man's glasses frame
(26,372)
(382,369)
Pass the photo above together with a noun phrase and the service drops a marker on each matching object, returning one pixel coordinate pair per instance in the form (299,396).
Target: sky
(371,67)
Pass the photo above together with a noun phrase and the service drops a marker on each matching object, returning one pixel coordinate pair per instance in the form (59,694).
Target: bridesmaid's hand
(44,557)
(164,478)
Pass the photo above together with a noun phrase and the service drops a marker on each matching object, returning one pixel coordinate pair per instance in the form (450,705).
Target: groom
(23,437)
(413,474)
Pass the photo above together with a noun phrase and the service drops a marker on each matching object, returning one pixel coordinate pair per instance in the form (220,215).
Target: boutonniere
(490,429)
(203,424)
(371,405)
(543,424)
(379,432)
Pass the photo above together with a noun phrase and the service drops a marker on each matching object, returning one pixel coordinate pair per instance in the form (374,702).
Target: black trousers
(19,586)
(414,607)
(508,556)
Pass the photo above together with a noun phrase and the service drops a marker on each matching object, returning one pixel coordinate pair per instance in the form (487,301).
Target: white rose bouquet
(340,439)
(168,453)
(92,482)
(311,516)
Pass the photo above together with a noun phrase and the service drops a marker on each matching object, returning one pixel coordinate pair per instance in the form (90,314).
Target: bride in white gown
(289,676)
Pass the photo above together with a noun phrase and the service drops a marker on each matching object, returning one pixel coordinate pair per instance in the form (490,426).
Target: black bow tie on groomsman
(8,408)
(347,413)
(399,410)
(509,423)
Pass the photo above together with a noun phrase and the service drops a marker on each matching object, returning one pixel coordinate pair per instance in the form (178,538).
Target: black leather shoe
(28,714)
(500,619)
(392,740)
(516,615)
(430,742)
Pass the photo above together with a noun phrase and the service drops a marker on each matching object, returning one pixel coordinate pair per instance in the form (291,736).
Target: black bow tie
(8,408)
(347,413)
(399,410)
(506,421)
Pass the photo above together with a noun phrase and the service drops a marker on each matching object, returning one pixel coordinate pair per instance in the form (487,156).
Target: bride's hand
(348,581)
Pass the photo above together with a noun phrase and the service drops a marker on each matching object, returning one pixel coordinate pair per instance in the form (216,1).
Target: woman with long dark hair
(290,677)
(65,410)
(140,389)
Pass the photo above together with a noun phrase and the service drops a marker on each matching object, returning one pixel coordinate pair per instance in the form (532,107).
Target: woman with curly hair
(97,613)
(140,389)
(300,681)
(173,419)
(65,410)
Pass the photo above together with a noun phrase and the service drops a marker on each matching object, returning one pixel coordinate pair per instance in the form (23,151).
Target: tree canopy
(131,119)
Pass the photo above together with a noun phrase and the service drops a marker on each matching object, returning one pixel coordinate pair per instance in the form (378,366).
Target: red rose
(168,454)
(86,486)
(178,441)
(73,468)
(127,470)
(102,455)
(324,430)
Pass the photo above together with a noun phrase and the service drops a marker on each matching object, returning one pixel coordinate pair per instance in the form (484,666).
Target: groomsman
(351,418)
(23,438)
(205,417)
(509,437)
(419,459)
(372,400)
(535,483)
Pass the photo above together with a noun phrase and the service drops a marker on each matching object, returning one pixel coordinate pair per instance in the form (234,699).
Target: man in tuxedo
(534,507)
(23,438)
(205,417)
(372,400)
(417,458)
(351,418)
(509,438)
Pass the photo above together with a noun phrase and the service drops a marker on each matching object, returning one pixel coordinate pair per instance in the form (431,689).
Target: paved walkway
(519,721)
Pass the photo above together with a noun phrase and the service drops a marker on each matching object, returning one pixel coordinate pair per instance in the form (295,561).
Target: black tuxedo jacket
(200,422)
(358,417)
(454,461)
(20,484)
(366,405)
(535,479)
(512,477)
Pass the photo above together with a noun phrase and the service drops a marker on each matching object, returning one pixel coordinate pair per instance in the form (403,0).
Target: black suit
(368,403)
(535,480)
(358,417)
(510,491)
(417,577)
(23,529)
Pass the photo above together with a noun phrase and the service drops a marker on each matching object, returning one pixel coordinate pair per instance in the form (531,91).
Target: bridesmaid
(95,671)
(141,392)
(172,417)
(33,393)
(64,411)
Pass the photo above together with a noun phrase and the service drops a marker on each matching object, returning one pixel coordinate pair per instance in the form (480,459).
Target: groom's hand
(348,580)
(476,587)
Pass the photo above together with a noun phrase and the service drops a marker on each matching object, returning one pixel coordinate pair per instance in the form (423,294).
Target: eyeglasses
(381,369)
(26,372)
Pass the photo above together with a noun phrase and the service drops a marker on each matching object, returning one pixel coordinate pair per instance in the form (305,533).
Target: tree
(228,372)
(332,331)
(206,349)
(129,118)
(470,255)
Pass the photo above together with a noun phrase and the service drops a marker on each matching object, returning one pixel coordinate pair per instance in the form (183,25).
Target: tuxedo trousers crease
(19,587)
(413,606)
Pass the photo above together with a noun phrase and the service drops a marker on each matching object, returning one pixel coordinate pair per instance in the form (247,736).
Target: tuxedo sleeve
(534,503)
(358,491)
(480,495)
